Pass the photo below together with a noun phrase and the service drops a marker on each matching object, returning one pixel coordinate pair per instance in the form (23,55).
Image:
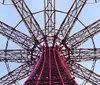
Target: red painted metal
(51,70)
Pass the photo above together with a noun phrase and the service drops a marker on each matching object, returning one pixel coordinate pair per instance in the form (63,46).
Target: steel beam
(17,56)
(30,22)
(49,20)
(85,74)
(70,19)
(19,73)
(82,55)
(20,38)
(82,36)
(50,70)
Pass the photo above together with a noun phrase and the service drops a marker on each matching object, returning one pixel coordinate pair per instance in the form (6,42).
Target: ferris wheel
(51,53)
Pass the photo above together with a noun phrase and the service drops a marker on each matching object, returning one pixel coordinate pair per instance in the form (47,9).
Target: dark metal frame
(50,56)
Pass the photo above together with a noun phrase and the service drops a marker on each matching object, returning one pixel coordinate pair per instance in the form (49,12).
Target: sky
(10,16)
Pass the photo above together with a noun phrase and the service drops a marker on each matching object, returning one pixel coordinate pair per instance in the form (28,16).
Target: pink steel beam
(35,68)
(58,67)
(41,72)
(50,70)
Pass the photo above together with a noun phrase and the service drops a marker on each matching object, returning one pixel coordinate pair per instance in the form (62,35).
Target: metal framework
(50,56)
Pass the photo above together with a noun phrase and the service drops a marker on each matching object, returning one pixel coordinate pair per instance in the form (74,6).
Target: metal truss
(81,55)
(18,56)
(19,73)
(85,74)
(54,73)
(19,38)
(50,56)
(49,20)
(29,20)
(82,36)
(71,18)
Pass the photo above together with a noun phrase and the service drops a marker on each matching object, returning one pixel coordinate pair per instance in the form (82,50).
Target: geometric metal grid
(50,38)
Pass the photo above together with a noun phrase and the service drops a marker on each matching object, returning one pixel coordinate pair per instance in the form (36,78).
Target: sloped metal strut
(50,70)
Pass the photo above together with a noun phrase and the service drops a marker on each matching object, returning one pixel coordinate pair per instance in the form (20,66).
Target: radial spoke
(18,56)
(81,55)
(29,20)
(82,36)
(19,73)
(49,13)
(71,18)
(49,19)
(20,38)
(85,74)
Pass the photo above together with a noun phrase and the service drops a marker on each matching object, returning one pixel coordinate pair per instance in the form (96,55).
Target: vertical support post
(50,75)
(49,18)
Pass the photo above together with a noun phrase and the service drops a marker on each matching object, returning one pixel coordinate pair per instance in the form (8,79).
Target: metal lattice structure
(50,56)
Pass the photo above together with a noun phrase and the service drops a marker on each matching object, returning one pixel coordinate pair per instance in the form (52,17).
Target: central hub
(51,49)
